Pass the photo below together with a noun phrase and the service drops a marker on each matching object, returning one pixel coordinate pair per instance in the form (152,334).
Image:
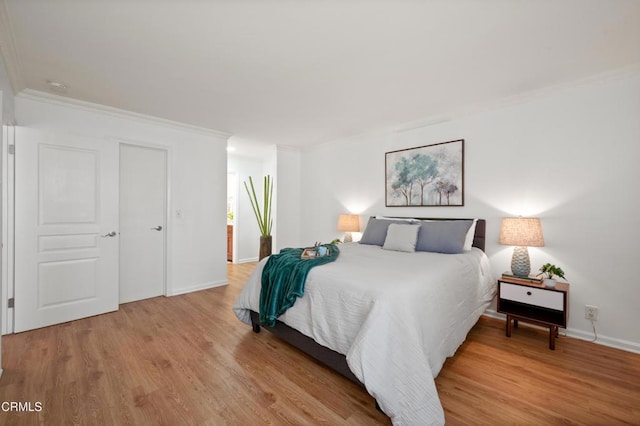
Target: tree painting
(429,175)
(403,183)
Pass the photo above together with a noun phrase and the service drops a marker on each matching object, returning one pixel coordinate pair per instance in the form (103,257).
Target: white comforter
(396,316)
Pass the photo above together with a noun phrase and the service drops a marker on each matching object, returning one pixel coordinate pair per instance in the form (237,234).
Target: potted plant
(263,214)
(550,271)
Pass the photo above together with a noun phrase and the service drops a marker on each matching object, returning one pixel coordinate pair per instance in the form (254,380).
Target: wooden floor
(188,360)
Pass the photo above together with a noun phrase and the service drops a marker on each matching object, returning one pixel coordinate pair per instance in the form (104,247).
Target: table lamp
(521,232)
(348,223)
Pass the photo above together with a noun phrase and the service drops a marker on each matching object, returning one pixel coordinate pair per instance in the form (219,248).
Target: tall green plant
(265,222)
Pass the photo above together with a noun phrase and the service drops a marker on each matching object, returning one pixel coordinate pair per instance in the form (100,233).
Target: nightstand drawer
(532,296)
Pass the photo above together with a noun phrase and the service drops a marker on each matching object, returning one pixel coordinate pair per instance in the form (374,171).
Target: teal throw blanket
(283,280)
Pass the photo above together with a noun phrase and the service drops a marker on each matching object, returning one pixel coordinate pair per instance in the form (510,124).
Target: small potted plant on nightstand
(550,271)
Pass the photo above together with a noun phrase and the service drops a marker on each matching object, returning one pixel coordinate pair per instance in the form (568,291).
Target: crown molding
(361,137)
(50,98)
(524,97)
(9,52)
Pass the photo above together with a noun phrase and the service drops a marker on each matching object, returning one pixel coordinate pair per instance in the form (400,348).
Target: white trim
(4,284)
(8,235)
(624,345)
(236,195)
(446,116)
(493,314)
(38,96)
(604,77)
(198,287)
(361,137)
(247,260)
(612,342)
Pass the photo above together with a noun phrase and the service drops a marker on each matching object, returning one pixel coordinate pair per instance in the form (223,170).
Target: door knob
(110,234)
(157,228)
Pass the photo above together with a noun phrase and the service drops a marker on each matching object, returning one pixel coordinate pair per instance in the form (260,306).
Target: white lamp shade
(521,232)
(349,223)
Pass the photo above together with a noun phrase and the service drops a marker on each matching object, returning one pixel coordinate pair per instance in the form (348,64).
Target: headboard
(478,238)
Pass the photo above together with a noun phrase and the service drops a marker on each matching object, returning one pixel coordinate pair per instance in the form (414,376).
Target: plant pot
(265,247)
(549,282)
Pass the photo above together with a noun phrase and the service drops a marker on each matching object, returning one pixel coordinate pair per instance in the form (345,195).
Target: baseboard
(247,260)
(624,345)
(493,314)
(612,342)
(502,317)
(197,287)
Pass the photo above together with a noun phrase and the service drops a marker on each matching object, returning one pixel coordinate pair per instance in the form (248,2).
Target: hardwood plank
(187,360)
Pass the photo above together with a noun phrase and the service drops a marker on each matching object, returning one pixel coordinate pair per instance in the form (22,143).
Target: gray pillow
(401,237)
(376,231)
(443,236)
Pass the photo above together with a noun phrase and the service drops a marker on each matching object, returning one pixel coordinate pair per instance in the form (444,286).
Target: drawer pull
(528,293)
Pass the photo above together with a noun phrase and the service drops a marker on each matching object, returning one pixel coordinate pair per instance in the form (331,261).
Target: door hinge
(11,149)
(11,303)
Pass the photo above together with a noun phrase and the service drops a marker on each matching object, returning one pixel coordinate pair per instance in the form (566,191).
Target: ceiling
(305,72)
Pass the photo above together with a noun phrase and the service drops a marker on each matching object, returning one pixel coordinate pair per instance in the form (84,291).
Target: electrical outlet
(591,312)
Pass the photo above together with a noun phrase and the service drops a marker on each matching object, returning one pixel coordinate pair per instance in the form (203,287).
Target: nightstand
(534,303)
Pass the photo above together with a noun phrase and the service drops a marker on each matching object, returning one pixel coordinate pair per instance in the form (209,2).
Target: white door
(66,225)
(143,200)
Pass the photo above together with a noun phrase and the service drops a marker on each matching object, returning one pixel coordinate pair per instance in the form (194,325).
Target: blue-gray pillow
(376,231)
(443,236)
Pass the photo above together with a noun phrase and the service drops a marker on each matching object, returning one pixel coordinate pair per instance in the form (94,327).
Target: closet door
(143,206)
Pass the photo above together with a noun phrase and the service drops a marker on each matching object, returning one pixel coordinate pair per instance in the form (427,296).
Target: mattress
(395,316)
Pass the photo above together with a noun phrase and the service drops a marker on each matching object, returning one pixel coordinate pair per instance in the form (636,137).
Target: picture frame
(425,176)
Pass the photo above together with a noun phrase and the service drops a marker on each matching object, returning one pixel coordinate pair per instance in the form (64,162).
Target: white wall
(198,176)
(8,100)
(283,165)
(569,155)
(247,234)
(270,167)
(288,207)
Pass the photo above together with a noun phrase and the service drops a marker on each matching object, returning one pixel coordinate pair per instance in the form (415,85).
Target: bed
(386,319)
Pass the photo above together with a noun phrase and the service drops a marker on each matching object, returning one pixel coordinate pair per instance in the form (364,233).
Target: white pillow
(401,237)
(468,241)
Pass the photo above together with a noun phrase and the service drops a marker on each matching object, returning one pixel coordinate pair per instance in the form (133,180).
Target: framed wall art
(430,175)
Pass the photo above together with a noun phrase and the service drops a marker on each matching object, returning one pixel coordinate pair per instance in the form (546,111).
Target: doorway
(232,208)
(143,207)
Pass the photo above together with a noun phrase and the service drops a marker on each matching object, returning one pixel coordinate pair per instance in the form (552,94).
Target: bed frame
(332,359)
